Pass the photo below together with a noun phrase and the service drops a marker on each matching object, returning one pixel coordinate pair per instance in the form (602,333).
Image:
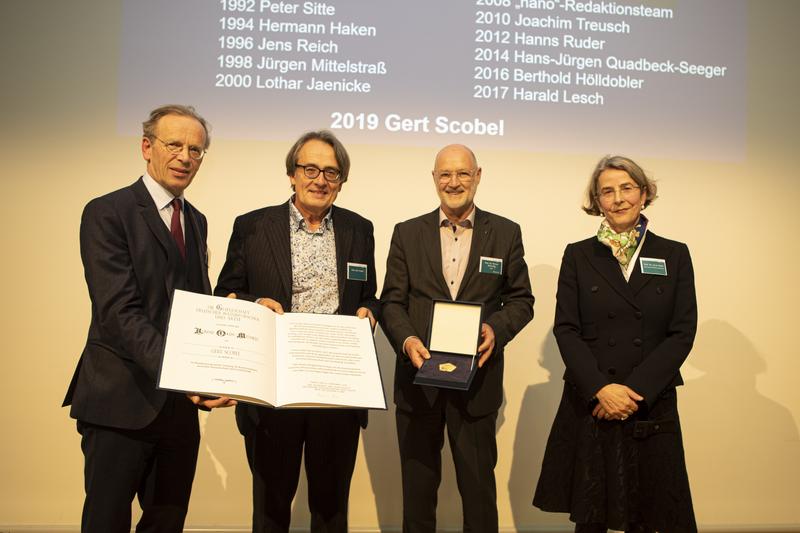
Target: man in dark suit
(457,252)
(305,255)
(138,245)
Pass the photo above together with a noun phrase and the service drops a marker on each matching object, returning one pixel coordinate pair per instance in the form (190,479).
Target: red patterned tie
(175,227)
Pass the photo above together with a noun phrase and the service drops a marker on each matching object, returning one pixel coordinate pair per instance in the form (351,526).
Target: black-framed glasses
(312,171)
(175,148)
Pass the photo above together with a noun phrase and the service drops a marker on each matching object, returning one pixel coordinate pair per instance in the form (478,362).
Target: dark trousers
(275,448)
(601,528)
(474,450)
(155,463)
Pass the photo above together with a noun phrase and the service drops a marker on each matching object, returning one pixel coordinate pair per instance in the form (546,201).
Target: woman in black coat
(626,316)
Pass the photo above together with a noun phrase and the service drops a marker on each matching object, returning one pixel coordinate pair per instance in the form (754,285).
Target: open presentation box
(453,336)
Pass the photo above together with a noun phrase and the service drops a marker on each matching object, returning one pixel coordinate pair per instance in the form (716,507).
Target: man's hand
(487,344)
(211,403)
(269,303)
(616,402)
(416,351)
(364,312)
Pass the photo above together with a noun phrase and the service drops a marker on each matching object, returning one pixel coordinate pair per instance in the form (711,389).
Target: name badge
(357,271)
(654,267)
(491,265)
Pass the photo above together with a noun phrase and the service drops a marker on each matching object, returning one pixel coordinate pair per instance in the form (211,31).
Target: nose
(183,155)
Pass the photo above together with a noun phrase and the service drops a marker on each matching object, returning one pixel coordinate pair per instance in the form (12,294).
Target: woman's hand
(616,402)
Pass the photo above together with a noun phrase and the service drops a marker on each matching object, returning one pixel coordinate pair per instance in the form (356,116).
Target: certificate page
(327,360)
(220,346)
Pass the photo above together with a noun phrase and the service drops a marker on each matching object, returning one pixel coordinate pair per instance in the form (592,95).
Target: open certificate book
(226,347)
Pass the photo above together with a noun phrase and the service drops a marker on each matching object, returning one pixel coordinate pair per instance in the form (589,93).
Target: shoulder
(657,246)
(653,239)
(419,221)
(256,216)
(584,244)
(498,221)
(584,248)
(342,215)
(114,202)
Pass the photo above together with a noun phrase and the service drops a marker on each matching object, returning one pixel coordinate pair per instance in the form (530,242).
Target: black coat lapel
(276,230)
(149,213)
(343,236)
(190,215)
(652,247)
(602,260)
(481,236)
(432,244)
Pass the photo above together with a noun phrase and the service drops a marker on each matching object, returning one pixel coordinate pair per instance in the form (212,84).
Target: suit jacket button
(612,314)
(637,342)
(594,288)
(659,290)
(612,341)
(612,371)
(638,314)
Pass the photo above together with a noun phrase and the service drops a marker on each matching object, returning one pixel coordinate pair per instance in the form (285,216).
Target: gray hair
(342,159)
(618,162)
(149,126)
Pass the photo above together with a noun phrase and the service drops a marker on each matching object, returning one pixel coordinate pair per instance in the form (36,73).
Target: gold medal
(447,367)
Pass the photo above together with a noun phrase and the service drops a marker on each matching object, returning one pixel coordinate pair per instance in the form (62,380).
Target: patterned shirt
(315,286)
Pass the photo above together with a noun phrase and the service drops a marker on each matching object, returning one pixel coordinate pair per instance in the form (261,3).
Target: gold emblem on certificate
(447,367)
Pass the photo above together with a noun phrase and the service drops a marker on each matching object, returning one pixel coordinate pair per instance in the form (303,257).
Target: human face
(174,171)
(456,176)
(620,208)
(313,197)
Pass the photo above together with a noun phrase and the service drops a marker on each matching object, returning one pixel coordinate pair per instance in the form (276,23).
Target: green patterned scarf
(623,245)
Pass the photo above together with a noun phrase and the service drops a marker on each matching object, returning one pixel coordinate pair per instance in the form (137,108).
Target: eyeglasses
(626,191)
(462,175)
(311,172)
(175,148)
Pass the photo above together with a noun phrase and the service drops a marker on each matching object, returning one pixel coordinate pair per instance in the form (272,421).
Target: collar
(297,221)
(468,222)
(161,196)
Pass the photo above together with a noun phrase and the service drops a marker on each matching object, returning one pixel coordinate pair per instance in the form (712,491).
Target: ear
(147,149)
(478,175)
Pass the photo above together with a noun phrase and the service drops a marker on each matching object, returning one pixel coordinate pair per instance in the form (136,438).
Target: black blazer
(259,264)
(132,267)
(414,277)
(611,331)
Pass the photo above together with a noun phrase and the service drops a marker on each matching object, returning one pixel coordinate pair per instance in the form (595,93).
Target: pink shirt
(456,243)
